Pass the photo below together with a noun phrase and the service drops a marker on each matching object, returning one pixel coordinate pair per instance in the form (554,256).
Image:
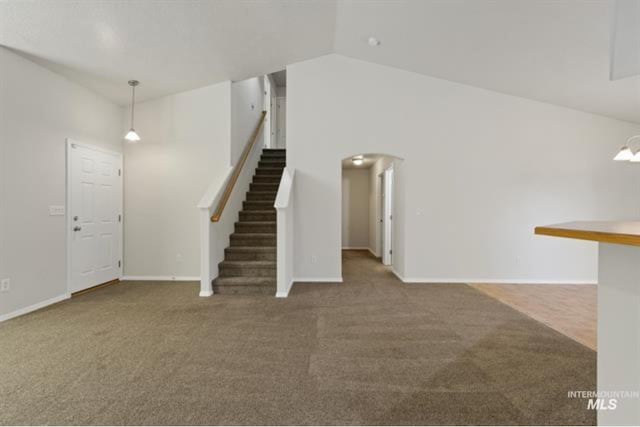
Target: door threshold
(95,288)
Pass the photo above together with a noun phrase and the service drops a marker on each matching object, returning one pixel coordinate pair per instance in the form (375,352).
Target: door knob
(77,228)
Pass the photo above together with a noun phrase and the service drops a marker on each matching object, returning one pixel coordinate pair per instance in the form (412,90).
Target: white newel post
(284,206)
(206,289)
(209,256)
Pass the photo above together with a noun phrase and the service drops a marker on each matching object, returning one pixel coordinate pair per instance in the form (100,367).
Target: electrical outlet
(314,259)
(5,285)
(55,210)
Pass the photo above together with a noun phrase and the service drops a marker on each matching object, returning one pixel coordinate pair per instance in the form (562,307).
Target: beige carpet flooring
(368,351)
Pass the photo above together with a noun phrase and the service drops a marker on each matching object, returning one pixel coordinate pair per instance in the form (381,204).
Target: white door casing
(387,249)
(94,216)
(281,117)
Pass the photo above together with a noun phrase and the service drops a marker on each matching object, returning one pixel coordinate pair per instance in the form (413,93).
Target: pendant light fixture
(626,154)
(132,136)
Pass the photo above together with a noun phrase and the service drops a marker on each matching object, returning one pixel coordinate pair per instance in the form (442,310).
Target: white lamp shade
(132,136)
(635,158)
(625,154)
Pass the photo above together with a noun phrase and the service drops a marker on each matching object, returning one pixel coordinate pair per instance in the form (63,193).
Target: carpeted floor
(368,351)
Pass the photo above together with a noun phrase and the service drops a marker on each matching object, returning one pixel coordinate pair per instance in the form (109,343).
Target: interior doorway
(386,201)
(94,216)
(276,108)
(369,205)
(281,129)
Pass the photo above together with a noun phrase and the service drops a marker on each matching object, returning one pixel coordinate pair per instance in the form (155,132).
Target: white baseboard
(395,273)
(162,278)
(432,280)
(285,294)
(318,279)
(360,248)
(440,280)
(34,307)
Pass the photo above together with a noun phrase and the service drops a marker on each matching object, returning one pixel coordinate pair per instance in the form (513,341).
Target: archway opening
(372,208)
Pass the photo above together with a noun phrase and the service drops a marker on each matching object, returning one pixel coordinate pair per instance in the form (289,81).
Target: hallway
(368,351)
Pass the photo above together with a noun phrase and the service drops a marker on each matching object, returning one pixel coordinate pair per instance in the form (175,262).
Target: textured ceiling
(555,51)
(170,46)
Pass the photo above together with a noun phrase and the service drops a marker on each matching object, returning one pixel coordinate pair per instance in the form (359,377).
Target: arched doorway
(371,207)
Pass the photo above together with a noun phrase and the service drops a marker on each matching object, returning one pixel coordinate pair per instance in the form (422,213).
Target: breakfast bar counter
(618,313)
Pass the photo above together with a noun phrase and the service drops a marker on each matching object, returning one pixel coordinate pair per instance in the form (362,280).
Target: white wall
(185,146)
(247,102)
(480,170)
(355,208)
(38,111)
(188,141)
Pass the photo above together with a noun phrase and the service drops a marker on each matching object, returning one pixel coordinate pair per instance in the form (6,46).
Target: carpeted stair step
(250,261)
(272,163)
(244,285)
(247,269)
(269,171)
(258,215)
(256,227)
(250,253)
(259,186)
(266,179)
(253,239)
(274,153)
(261,195)
(258,205)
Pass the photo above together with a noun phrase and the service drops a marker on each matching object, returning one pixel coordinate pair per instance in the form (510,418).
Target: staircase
(249,265)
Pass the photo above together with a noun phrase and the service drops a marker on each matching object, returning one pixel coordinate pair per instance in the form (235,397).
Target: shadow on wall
(373,206)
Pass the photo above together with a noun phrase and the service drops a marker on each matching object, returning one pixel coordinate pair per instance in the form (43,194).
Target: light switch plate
(55,210)
(5,285)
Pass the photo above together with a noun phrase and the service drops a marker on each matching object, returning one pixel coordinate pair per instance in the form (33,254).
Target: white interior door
(95,216)
(387,202)
(281,117)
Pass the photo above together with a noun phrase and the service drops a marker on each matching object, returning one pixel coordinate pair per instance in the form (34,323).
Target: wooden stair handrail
(236,171)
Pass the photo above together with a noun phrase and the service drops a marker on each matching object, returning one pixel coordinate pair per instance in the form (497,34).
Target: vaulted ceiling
(552,51)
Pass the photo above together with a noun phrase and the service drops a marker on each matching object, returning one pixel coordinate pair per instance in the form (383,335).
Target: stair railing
(284,205)
(216,224)
(236,170)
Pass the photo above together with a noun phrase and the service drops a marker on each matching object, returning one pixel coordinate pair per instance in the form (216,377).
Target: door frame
(279,117)
(70,143)
(387,220)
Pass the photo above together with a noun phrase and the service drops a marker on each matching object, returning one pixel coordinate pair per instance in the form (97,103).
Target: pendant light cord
(133,103)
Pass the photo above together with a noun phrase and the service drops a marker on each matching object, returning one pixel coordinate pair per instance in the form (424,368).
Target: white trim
(439,280)
(395,273)
(163,278)
(69,234)
(360,248)
(34,307)
(285,294)
(318,279)
(432,281)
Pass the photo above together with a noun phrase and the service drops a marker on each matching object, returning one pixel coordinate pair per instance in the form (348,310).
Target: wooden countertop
(620,232)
